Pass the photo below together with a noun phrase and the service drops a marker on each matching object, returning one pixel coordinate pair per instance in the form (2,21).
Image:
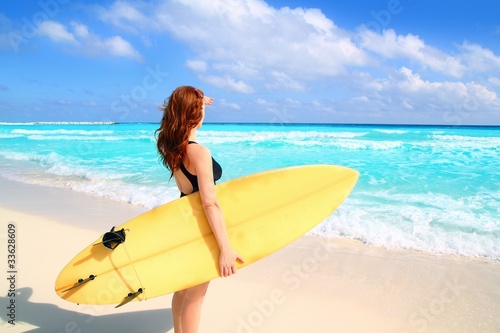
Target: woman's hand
(207,100)
(227,262)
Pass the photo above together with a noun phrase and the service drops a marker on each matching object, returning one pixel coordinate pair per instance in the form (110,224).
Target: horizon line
(242,123)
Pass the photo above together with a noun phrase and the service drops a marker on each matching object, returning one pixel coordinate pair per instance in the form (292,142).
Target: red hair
(182,112)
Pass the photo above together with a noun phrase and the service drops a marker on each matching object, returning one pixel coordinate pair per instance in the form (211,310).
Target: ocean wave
(59,123)
(88,138)
(9,136)
(388,131)
(15,124)
(62,132)
(145,196)
(342,140)
(53,164)
(218,137)
(107,181)
(16,156)
(59,168)
(349,144)
(367,144)
(81,135)
(413,226)
(72,138)
(460,141)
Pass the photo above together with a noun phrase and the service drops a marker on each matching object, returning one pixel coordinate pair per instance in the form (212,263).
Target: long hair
(182,112)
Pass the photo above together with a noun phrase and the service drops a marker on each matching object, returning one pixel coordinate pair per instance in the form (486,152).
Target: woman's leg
(191,308)
(177,305)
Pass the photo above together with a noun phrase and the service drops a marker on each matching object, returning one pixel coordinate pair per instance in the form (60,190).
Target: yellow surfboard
(172,247)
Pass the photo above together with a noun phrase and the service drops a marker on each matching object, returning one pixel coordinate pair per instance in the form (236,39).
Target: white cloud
(411,47)
(449,92)
(282,81)
(63,102)
(479,58)
(245,39)
(5,41)
(407,90)
(228,83)
(318,20)
(292,102)
(87,43)
(228,105)
(249,40)
(121,14)
(197,65)
(80,30)
(56,32)
(118,46)
(237,68)
(90,103)
(248,46)
(494,81)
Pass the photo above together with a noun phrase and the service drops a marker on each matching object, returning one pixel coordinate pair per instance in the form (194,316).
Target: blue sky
(392,61)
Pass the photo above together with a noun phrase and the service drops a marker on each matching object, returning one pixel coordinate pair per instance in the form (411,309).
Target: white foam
(388,131)
(467,142)
(15,124)
(217,137)
(367,144)
(17,156)
(430,223)
(73,138)
(146,196)
(58,123)
(102,184)
(343,140)
(61,131)
(9,136)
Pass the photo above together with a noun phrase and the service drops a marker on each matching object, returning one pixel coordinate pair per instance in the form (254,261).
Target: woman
(194,169)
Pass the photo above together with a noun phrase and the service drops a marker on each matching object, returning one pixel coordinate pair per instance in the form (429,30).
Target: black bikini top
(193,179)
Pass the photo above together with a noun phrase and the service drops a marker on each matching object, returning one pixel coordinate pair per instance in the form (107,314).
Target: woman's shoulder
(197,150)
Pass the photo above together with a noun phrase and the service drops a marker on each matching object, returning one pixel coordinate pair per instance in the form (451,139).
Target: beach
(313,285)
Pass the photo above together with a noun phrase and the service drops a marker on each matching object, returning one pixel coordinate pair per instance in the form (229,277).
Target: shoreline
(401,207)
(311,285)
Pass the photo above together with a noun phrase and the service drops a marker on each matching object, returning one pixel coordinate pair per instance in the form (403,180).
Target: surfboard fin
(81,282)
(113,238)
(130,297)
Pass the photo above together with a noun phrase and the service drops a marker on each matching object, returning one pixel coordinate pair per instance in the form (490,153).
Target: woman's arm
(201,160)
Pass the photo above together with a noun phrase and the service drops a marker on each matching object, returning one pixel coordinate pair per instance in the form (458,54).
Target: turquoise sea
(432,189)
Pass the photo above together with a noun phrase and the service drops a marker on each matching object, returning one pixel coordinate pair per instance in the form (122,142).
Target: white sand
(313,286)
